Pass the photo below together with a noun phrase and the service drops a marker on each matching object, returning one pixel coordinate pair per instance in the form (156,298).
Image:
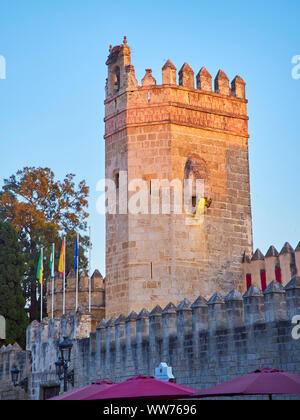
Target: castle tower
(175,132)
(97,295)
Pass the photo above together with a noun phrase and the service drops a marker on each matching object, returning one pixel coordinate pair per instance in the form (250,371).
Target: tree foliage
(12,302)
(43,210)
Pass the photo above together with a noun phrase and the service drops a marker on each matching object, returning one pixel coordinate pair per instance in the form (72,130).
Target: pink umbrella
(143,387)
(86,391)
(261,382)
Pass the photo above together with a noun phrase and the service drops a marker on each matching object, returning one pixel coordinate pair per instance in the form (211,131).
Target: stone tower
(166,132)
(97,295)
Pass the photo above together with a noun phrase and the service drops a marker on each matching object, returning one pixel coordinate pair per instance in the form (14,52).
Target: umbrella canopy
(261,382)
(143,387)
(86,391)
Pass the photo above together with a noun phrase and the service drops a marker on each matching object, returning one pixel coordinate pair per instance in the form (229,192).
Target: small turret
(287,263)
(169,73)
(271,263)
(186,76)
(238,87)
(148,79)
(204,80)
(120,71)
(222,84)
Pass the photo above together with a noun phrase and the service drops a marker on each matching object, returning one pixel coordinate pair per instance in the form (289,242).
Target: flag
(52,275)
(40,269)
(61,265)
(76,254)
(200,208)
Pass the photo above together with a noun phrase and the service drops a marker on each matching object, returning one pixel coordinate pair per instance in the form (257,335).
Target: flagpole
(53,277)
(90,280)
(42,249)
(77,264)
(64,279)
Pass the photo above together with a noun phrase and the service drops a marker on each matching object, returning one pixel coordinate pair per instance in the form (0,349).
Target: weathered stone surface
(275,302)
(258,255)
(287,249)
(222,83)
(292,290)
(234,309)
(169,73)
(238,87)
(97,295)
(272,252)
(202,350)
(148,79)
(174,131)
(186,76)
(204,80)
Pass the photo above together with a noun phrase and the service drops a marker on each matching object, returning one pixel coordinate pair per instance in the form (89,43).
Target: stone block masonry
(206,342)
(10,356)
(176,131)
(97,295)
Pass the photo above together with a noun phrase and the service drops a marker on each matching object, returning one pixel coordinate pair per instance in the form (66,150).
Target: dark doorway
(50,392)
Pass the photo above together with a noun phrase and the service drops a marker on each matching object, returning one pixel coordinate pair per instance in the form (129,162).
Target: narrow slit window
(117,180)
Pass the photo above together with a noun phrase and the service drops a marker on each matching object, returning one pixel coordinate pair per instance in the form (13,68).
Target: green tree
(12,302)
(43,211)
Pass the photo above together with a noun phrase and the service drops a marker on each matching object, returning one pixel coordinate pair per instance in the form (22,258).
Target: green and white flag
(52,270)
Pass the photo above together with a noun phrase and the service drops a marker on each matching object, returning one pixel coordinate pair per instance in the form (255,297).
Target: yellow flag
(40,269)
(200,208)
(61,265)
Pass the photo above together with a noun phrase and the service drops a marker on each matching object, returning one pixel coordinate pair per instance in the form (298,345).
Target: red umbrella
(86,391)
(143,387)
(261,382)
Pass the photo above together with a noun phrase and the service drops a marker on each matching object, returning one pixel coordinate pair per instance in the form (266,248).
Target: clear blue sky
(51,104)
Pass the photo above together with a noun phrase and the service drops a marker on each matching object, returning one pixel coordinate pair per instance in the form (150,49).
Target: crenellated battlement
(120,59)
(178,104)
(181,101)
(260,270)
(97,294)
(276,303)
(205,342)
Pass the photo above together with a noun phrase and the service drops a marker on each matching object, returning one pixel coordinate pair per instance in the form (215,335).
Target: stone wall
(261,270)
(11,356)
(96,282)
(42,344)
(204,342)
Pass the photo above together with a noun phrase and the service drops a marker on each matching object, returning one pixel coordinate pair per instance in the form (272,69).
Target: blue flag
(76,254)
